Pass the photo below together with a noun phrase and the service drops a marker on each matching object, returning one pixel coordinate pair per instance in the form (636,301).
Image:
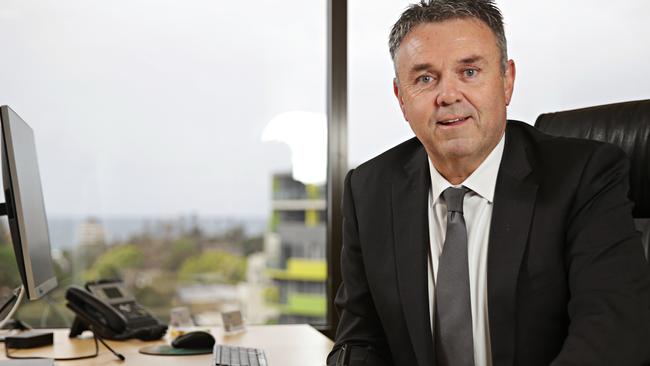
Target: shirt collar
(482,181)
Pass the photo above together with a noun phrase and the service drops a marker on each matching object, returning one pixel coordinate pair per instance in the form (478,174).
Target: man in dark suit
(484,241)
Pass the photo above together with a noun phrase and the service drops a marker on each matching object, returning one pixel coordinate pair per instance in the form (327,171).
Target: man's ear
(509,81)
(398,95)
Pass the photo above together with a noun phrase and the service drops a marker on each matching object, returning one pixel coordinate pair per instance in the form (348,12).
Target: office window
(375,120)
(568,55)
(182,149)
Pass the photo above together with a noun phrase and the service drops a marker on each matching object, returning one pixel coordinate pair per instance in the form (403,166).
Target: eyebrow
(420,67)
(472,59)
(467,60)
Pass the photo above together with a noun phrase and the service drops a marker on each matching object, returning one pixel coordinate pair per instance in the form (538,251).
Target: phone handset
(94,311)
(110,311)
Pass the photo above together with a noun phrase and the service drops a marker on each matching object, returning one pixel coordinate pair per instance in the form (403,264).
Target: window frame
(337,153)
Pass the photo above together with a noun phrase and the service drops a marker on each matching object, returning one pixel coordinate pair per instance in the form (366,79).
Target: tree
(253,245)
(114,261)
(179,251)
(9,275)
(228,268)
(235,234)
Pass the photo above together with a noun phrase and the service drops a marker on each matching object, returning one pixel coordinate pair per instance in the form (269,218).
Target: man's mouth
(452,121)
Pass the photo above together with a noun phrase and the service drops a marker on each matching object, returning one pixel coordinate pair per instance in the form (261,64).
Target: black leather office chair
(626,125)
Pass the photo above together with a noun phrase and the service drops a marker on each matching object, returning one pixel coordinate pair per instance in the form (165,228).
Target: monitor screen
(25,207)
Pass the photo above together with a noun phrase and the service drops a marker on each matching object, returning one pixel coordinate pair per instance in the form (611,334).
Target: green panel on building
(299,269)
(305,305)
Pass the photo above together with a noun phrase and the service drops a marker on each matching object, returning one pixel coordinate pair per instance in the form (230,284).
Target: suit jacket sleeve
(359,326)
(608,277)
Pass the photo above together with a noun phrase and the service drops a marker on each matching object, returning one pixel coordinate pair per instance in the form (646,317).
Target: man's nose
(448,93)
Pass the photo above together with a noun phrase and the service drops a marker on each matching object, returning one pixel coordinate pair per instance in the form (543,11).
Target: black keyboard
(237,356)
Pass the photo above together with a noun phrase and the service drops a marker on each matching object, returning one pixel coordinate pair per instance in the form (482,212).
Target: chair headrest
(626,125)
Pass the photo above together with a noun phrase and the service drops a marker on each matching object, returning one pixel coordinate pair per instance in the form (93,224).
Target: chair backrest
(626,125)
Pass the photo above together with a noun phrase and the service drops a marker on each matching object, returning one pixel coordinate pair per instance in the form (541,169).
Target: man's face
(452,90)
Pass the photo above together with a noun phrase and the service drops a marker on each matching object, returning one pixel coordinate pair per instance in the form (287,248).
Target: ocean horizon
(64,230)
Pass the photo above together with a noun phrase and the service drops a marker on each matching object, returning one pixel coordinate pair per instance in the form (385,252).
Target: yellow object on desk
(179,331)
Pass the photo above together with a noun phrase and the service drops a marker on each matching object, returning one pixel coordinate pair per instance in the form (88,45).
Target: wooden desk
(285,345)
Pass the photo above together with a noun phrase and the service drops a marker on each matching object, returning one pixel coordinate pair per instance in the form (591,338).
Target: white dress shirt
(477,210)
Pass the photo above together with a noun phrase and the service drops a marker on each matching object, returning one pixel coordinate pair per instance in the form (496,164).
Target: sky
(157,108)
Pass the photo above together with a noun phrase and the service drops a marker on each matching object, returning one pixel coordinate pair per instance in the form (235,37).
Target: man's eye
(425,79)
(470,73)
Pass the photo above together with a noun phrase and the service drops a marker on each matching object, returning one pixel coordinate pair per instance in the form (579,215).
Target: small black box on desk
(29,339)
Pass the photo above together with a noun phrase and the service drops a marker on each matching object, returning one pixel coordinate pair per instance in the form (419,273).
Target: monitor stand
(18,295)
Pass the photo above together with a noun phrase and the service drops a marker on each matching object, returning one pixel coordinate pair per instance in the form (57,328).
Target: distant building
(91,243)
(255,307)
(91,233)
(295,246)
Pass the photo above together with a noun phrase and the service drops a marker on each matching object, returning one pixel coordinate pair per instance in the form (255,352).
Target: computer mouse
(194,340)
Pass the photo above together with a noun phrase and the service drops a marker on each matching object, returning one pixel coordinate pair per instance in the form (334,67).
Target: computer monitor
(24,206)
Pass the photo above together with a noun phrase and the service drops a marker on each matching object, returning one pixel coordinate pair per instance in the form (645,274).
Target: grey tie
(453,313)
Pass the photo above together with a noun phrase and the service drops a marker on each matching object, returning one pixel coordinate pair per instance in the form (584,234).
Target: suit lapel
(411,240)
(514,201)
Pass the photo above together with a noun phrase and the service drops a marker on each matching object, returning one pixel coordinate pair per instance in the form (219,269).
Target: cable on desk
(95,337)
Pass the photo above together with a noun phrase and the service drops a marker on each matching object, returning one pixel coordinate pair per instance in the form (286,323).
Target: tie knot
(454,198)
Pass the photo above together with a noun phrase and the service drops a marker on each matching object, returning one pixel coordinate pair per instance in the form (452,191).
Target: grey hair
(434,11)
